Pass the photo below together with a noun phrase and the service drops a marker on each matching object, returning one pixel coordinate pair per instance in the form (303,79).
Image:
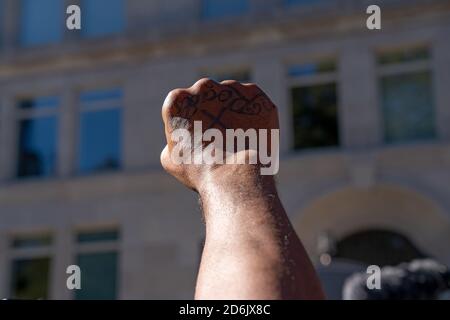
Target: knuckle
(165,159)
(204,83)
(230,82)
(252,85)
(171,99)
(174,94)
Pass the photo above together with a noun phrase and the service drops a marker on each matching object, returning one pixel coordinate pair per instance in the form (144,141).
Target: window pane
(32,241)
(224,8)
(100,95)
(89,237)
(308,69)
(315,116)
(99,276)
(100,140)
(408,107)
(30,278)
(37,147)
(102,17)
(404,55)
(41,21)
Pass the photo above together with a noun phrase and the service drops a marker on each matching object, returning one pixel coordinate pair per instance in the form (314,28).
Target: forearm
(251,250)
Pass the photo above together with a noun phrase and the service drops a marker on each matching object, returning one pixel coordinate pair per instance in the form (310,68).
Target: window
(314,104)
(31,264)
(32,241)
(216,9)
(97,258)
(100,130)
(102,17)
(310,69)
(37,147)
(406,95)
(41,22)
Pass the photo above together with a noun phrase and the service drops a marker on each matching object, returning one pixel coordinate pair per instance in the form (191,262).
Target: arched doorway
(355,252)
(383,225)
(379,247)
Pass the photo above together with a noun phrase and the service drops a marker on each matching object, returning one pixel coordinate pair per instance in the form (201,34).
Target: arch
(384,207)
(375,246)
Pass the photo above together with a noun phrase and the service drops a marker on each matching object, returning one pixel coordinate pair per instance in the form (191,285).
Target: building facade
(365,135)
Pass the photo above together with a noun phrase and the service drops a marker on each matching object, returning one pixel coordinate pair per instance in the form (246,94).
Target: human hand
(219,106)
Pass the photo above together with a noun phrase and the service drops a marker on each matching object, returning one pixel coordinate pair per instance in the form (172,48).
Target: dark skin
(251,249)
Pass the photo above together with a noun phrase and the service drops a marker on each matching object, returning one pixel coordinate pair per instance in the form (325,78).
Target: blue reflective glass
(302,70)
(41,21)
(100,141)
(224,8)
(102,17)
(37,147)
(101,95)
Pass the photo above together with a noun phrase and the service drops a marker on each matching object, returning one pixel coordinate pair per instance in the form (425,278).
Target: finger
(168,104)
(230,82)
(165,159)
(203,84)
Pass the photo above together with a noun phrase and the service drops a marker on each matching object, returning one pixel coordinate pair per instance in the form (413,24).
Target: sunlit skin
(251,249)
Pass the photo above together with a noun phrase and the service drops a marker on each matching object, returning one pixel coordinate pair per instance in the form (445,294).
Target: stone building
(365,114)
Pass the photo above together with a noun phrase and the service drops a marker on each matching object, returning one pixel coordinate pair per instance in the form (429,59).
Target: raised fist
(237,121)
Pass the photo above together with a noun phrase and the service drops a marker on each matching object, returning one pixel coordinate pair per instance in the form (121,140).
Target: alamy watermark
(212,148)
(374,20)
(73,21)
(373,281)
(74,280)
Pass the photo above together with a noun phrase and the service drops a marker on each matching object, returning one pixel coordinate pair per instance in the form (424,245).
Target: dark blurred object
(417,280)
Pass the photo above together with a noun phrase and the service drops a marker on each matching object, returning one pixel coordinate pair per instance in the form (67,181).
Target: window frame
(104,105)
(99,247)
(310,80)
(31,114)
(399,69)
(15,254)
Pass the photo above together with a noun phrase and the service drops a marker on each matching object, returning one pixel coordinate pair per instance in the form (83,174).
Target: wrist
(236,190)
(236,179)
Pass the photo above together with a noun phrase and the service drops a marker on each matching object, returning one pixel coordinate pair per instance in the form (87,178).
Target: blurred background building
(365,119)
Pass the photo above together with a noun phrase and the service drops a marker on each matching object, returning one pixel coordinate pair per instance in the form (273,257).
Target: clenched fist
(251,250)
(239,119)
